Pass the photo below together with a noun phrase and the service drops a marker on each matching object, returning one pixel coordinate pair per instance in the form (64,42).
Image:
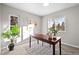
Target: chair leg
(42,43)
(50,45)
(37,41)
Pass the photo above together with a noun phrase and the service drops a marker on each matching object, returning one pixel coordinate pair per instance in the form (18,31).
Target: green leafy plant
(12,33)
(53,30)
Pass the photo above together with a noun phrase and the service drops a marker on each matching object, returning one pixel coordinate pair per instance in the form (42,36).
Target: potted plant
(53,31)
(11,34)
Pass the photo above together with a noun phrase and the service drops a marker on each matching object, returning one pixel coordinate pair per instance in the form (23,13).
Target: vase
(54,37)
(50,36)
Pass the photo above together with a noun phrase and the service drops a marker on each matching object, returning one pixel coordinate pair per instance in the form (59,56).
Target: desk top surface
(44,37)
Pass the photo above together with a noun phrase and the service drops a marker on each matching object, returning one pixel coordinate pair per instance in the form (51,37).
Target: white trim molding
(70,45)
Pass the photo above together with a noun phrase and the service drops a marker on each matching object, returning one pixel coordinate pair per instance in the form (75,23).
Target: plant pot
(54,37)
(50,37)
(11,46)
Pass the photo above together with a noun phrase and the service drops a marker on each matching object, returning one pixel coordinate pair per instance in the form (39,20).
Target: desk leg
(37,41)
(50,45)
(42,43)
(30,42)
(53,49)
(60,46)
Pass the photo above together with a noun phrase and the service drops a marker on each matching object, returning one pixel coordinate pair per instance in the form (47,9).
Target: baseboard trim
(70,45)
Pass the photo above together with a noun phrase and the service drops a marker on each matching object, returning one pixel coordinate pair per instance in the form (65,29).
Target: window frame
(53,19)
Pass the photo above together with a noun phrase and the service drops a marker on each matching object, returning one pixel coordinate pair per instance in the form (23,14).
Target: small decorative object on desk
(54,37)
(50,36)
(54,31)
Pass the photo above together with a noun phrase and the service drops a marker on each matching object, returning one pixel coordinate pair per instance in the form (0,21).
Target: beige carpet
(37,49)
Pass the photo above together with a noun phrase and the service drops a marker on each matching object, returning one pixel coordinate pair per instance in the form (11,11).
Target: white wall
(71,36)
(0,28)
(0,21)
(0,25)
(23,17)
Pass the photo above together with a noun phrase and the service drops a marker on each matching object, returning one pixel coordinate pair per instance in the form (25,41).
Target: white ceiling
(39,9)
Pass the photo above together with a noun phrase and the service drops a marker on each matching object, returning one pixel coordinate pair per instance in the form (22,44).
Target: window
(58,23)
(28,30)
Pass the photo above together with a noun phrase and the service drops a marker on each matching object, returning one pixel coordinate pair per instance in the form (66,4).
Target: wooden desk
(45,38)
